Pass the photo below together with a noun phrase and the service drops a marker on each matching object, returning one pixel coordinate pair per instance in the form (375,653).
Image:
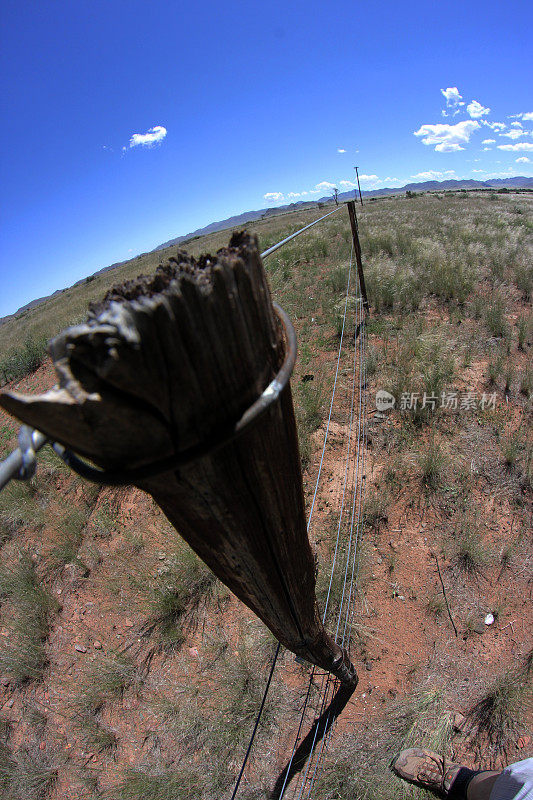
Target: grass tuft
(498,713)
(23,360)
(375,512)
(432,460)
(309,417)
(28,774)
(176,597)
(139,784)
(495,318)
(23,656)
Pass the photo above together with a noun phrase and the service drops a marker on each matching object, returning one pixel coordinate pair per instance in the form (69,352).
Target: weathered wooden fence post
(357,250)
(162,366)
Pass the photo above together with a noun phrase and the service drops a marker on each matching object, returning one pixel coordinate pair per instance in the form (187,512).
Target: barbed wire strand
(332,683)
(327,679)
(309,521)
(359,489)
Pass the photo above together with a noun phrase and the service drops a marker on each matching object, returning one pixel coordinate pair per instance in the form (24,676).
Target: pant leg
(515,782)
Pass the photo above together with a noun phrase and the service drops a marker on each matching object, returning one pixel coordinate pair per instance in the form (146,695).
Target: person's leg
(444,778)
(481,785)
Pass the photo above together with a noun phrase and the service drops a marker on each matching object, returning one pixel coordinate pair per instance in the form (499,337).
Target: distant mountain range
(518,182)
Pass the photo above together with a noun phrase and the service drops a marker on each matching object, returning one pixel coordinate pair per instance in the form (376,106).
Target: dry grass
(27,774)
(498,715)
(446,277)
(358,765)
(23,656)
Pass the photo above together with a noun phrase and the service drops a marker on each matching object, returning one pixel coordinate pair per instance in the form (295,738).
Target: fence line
(12,466)
(329,684)
(21,465)
(325,714)
(275,247)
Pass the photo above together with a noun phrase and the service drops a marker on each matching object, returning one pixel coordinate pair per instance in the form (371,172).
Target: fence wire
(351,509)
(21,463)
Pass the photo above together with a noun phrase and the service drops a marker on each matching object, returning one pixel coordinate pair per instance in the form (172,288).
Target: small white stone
(489,619)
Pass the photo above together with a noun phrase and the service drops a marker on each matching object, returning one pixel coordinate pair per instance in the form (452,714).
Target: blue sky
(128,123)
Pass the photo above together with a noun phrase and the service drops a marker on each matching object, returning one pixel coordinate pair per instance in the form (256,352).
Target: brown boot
(424,768)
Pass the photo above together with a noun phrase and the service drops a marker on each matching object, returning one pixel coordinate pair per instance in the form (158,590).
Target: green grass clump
(523,278)
(375,512)
(499,712)
(432,460)
(139,784)
(70,528)
(308,408)
(20,509)
(240,691)
(436,605)
(420,363)
(526,381)
(421,720)
(107,679)
(392,287)
(28,774)
(176,597)
(495,318)
(495,369)
(337,280)
(524,330)
(23,657)
(97,736)
(23,360)
(470,553)
(511,449)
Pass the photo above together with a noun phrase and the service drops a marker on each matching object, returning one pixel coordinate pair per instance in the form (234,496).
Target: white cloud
(432,174)
(453,100)
(324,186)
(518,146)
(445,147)
(152,137)
(476,110)
(447,138)
(340,150)
(514,133)
(368,178)
(273,196)
(478,170)
(488,141)
(527,116)
(496,126)
(516,125)
(348,184)
(523,160)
